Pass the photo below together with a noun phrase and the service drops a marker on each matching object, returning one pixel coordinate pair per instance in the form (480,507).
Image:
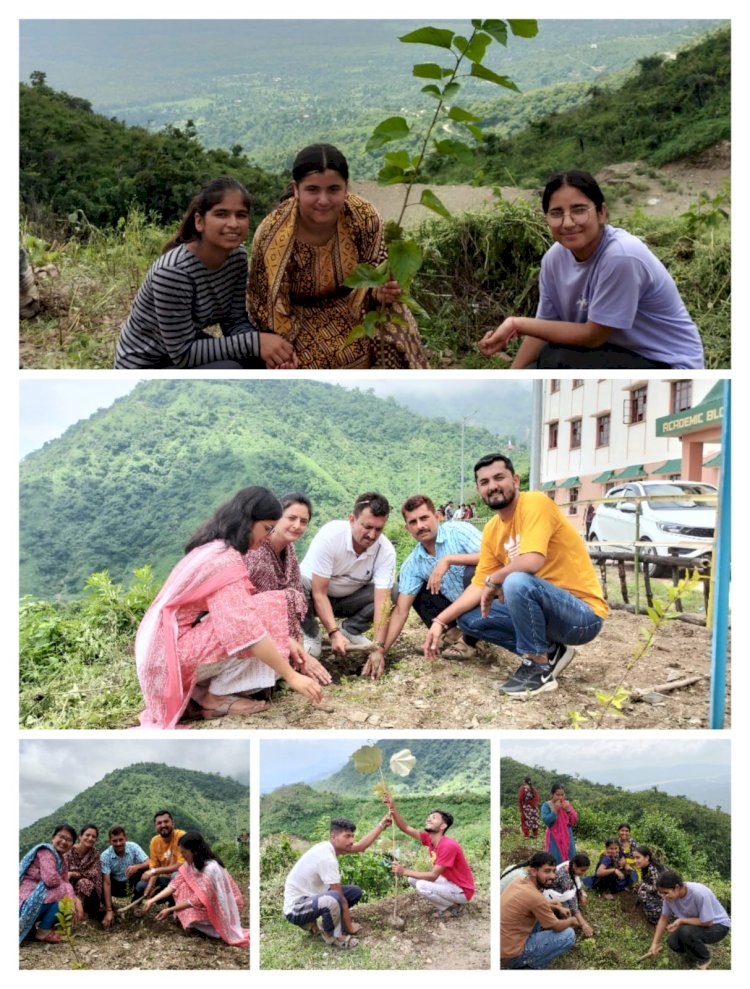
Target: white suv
(677,525)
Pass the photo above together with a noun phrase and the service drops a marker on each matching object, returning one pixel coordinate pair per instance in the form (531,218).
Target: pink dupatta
(219,897)
(199,574)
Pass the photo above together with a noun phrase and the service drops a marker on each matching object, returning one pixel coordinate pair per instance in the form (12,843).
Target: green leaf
(427,70)
(404,260)
(356,333)
(433,91)
(524,29)
(498,30)
(461,115)
(482,72)
(456,149)
(431,201)
(477,132)
(393,175)
(477,47)
(401,159)
(450,89)
(367,759)
(439,37)
(365,276)
(460,43)
(392,129)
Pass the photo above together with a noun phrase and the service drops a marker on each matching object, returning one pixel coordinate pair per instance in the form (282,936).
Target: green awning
(548,486)
(714,461)
(572,482)
(607,475)
(637,470)
(710,412)
(670,467)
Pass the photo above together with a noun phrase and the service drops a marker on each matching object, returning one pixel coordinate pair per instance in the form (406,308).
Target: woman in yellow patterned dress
(302,253)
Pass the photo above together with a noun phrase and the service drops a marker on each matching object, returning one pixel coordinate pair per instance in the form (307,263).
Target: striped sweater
(179,298)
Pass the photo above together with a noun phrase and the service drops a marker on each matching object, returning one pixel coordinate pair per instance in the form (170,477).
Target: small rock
(326,708)
(673,675)
(374,719)
(653,201)
(654,697)
(419,703)
(358,717)
(387,724)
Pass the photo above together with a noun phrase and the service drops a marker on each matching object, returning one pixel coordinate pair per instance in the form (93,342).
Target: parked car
(675,520)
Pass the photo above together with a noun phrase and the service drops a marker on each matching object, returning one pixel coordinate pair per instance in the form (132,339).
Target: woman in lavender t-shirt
(605,301)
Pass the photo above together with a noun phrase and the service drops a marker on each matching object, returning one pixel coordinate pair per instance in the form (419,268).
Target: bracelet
(439,622)
(378,644)
(333,631)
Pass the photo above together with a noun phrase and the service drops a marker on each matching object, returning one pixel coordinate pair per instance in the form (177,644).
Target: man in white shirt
(348,572)
(313,888)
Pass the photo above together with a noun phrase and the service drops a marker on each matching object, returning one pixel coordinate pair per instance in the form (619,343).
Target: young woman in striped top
(199,281)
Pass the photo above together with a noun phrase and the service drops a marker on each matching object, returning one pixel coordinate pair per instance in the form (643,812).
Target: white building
(596,433)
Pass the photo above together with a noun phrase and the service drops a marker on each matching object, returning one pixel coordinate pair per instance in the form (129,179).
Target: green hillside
(215,805)
(671,107)
(129,485)
(688,835)
(455,767)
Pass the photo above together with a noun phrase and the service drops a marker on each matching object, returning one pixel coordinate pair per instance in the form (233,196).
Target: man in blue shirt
(122,863)
(435,573)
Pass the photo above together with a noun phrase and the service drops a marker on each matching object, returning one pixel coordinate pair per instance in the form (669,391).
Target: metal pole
(723,559)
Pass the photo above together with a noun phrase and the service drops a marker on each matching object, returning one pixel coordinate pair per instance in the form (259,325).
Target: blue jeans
(535,614)
(542,947)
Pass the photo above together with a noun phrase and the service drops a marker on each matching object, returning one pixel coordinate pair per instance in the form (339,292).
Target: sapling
(369,759)
(466,58)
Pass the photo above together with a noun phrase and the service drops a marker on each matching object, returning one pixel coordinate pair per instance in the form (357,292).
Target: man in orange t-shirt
(165,857)
(535,591)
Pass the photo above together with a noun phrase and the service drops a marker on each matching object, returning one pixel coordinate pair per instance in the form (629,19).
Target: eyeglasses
(577,213)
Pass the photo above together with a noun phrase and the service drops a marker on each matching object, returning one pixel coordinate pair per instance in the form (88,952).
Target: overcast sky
(304,760)
(54,771)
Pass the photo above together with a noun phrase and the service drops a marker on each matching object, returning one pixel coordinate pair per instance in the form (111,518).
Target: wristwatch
(489,582)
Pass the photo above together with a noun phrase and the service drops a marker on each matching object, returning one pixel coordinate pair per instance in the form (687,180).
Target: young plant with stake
(466,58)
(369,759)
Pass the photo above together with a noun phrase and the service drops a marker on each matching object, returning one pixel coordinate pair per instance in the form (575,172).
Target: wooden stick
(662,688)
(130,905)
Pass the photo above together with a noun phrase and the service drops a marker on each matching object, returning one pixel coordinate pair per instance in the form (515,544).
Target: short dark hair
(582,181)
(66,827)
(86,827)
(490,458)
(611,841)
(416,501)
(376,502)
(161,813)
(556,785)
(341,824)
(447,818)
(670,879)
(624,825)
(117,829)
(538,859)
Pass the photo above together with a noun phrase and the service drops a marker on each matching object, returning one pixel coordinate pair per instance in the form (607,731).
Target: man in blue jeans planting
(535,591)
(533,930)
(313,888)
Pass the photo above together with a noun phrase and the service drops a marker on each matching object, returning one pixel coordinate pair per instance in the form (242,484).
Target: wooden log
(662,688)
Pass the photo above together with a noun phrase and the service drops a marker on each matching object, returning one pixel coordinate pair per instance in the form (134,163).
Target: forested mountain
(129,485)
(655,817)
(274,86)
(215,805)
(454,766)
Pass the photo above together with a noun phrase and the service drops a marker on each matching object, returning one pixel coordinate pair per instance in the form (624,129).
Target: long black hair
(209,196)
(232,520)
(317,158)
(195,843)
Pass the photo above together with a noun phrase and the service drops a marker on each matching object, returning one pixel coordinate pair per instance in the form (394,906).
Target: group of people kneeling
(239,611)
(542,901)
(181,872)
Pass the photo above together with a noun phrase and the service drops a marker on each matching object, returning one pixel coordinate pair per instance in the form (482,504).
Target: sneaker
(313,645)
(559,656)
(354,638)
(533,680)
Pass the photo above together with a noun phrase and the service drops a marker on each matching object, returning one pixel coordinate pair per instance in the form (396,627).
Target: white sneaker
(312,645)
(356,640)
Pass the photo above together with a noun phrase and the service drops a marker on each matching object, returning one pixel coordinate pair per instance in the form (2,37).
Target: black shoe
(520,676)
(560,656)
(534,681)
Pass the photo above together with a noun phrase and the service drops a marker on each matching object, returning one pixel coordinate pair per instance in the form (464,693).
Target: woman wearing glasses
(605,301)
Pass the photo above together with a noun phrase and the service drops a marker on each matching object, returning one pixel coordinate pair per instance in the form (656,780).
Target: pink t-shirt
(450,856)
